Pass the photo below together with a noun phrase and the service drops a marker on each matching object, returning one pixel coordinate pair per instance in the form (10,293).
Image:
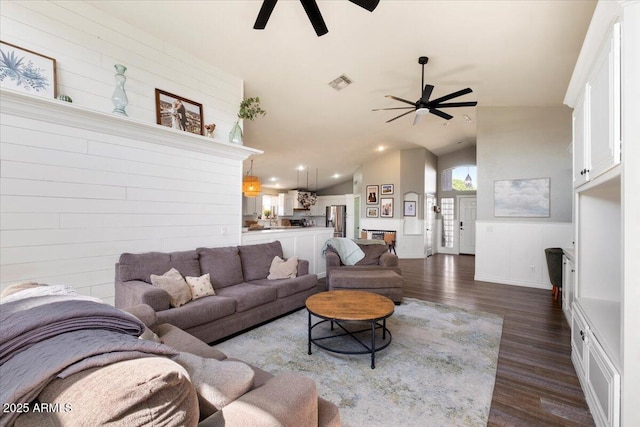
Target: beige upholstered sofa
(172,379)
(244,296)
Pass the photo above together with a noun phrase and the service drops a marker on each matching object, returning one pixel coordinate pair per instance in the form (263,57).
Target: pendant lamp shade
(251,184)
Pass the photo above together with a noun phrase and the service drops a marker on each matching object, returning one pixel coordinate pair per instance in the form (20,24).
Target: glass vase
(119,97)
(235,136)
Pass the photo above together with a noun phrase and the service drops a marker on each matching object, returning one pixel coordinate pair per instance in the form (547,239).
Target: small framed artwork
(386,189)
(409,208)
(386,208)
(178,113)
(27,71)
(372,212)
(372,194)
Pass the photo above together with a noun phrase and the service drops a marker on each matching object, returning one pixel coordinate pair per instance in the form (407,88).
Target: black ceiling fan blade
(400,99)
(426,93)
(264,14)
(313,12)
(395,108)
(456,104)
(441,114)
(397,117)
(451,96)
(370,5)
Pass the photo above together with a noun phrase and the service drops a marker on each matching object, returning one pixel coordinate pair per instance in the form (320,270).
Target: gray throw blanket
(348,251)
(45,337)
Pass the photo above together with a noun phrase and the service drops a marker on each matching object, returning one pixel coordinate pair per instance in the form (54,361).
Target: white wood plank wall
(73,198)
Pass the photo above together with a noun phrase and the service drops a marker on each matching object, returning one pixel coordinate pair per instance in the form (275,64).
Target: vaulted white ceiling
(511,53)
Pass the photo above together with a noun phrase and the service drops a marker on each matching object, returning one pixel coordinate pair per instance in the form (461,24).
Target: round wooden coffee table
(350,310)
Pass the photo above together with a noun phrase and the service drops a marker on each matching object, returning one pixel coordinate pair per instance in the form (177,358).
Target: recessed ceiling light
(336,175)
(273,178)
(301,168)
(340,82)
(467,118)
(380,148)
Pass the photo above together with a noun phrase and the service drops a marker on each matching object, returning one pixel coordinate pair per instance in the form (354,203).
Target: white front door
(467,218)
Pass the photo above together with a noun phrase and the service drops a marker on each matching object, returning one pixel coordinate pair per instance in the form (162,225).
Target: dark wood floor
(536,384)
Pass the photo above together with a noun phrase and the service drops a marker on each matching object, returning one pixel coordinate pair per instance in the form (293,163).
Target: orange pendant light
(251,184)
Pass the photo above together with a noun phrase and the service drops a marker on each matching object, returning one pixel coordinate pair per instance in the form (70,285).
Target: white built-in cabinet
(603,328)
(568,285)
(285,204)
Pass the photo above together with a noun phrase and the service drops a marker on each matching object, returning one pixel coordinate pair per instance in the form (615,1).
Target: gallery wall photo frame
(178,113)
(522,198)
(372,212)
(372,194)
(26,71)
(409,208)
(386,189)
(386,207)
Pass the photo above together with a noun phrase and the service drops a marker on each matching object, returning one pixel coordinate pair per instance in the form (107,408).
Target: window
(461,178)
(447,221)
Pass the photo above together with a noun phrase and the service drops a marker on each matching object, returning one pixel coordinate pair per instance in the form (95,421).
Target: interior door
(467,216)
(356,217)
(429,223)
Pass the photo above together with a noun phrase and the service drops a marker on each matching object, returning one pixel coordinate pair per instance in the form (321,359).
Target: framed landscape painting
(386,189)
(27,71)
(525,198)
(178,113)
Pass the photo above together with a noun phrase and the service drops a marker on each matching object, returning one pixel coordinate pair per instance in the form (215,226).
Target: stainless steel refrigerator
(337,218)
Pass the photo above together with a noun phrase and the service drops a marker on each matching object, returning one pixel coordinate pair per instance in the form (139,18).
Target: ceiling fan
(313,12)
(424,105)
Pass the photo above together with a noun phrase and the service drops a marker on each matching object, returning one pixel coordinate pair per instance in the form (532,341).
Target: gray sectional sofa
(244,297)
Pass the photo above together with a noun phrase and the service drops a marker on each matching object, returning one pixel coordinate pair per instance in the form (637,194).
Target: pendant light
(251,184)
(467,181)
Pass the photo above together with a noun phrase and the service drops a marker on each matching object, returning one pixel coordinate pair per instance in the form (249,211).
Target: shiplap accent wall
(80,185)
(513,252)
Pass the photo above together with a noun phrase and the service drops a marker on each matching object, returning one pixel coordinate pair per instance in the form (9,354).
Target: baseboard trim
(511,282)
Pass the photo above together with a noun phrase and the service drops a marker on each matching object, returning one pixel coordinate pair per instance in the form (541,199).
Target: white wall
(80,185)
(513,253)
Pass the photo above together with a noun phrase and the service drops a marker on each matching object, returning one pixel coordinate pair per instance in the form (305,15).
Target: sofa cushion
(201,311)
(248,296)
(145,391)
(281,269)
(223,265)
(142,266)
(200,286)
(288,287)
(256,259)
(372,254)
(175,285)
(217,383)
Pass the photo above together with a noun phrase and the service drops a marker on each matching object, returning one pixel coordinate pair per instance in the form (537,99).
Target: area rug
(438,371)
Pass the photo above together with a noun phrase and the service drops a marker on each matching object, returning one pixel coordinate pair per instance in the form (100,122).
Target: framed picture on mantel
(178,113)
(27,71)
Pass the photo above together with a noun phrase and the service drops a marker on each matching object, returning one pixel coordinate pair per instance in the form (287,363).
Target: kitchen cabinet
(596,116)
(285,204)
(252,205)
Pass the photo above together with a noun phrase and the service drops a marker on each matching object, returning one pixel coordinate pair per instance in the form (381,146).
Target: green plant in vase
(249,110)
(266,214)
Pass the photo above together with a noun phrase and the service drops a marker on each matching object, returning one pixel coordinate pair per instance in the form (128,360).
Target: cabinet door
(604,386)
(580,140)
(579,342)
(568,273)
(604,107)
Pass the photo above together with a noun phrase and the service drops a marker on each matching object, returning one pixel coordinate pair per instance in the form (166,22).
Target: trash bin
(554,265)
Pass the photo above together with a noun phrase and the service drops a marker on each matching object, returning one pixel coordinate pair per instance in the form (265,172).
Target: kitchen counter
(304,242)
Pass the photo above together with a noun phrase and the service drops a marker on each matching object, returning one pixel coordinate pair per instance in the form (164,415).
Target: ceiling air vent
(340,83)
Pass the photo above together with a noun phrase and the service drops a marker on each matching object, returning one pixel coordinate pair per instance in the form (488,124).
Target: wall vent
(340,83)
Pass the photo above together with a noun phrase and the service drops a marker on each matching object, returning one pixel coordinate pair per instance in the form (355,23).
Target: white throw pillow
(173,282)
(200,286)
(281,269)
